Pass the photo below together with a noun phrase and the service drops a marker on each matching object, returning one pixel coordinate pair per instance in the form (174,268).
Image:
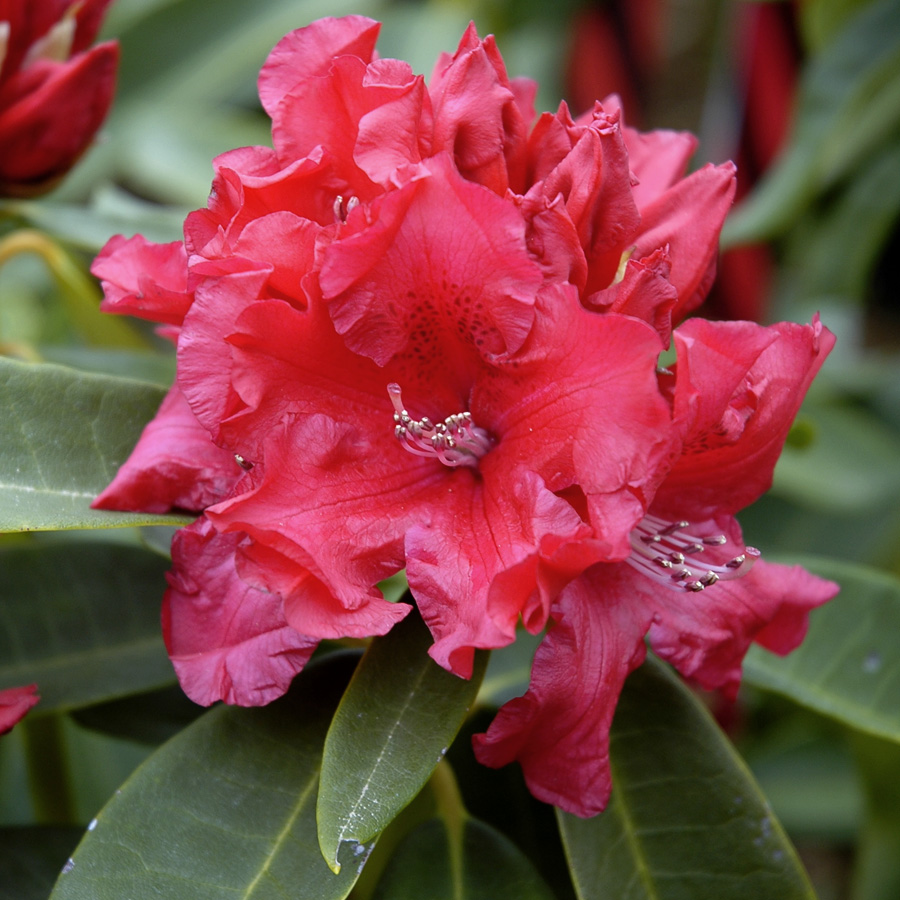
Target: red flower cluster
(14,703)
(54,92)
(420,333)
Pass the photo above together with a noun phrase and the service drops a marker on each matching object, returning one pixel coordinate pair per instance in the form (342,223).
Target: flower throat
(457,441)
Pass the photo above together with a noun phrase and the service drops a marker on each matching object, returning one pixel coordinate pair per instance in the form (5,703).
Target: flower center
(457,441)
(668,554)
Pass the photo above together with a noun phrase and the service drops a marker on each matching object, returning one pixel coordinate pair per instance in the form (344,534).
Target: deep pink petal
(308,52)
(367,119)
(658,159)
(477,564)
(595,180)
(441,275)
(645,292)
(687,219)
(175,465)
(559,730)
(320,491)
(144,279)
(477,116)
(227,640)
(728,459)
(14,703)
(580,406)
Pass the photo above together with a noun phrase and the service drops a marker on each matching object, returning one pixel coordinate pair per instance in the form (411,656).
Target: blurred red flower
(14,703)
(54,91)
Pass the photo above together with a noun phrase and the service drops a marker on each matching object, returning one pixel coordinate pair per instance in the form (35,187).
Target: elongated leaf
(396,721)
(849,102)
(471,862)
(30,859)
(851,452)
(225,809)
(686,820)
(848,666)
(64,435)
(148,718)
(81,619)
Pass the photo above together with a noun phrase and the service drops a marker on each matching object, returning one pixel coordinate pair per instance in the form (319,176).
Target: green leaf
(82,620)
(148,718)
(64,435)
(849,103)
(30,860)
(832,252)
(472,862)
(686,820)
(851,452)
(848,666)
(876,873)
(111,211)
(225,809)
(393,726)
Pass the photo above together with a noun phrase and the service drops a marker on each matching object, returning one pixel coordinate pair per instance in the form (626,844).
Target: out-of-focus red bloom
(420,333)
(54,91)
(14,703)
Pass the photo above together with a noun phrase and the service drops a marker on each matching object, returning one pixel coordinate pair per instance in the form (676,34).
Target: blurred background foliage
(804,96)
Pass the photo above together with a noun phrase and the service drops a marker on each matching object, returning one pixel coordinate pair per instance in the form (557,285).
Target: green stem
(78,292)
(451,809)
(48,771)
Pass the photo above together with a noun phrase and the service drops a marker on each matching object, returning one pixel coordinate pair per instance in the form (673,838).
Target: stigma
(669,554)
(457,441)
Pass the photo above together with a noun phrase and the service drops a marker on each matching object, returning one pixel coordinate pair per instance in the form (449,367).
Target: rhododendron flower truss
(420,333)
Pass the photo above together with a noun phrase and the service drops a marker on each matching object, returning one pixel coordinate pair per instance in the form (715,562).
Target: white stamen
(671,556)
(457,441)
(342,209)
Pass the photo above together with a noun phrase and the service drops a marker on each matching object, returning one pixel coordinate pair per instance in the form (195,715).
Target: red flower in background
(419,333)
(14,703)
(54,91)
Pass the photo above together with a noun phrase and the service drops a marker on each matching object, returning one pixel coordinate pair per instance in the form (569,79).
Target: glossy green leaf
(848,666)
(394,725)
(225,809)
(81,619)
(64,435)
(469,862)
(849,103)
(851,452)
(686,820)
(30,860)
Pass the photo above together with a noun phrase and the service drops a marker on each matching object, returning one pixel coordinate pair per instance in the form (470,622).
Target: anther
(342,209)
(682,555)
(457,441)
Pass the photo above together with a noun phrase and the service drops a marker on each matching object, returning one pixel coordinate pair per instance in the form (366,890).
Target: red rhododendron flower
(419,333)
(14,703)
(54,91)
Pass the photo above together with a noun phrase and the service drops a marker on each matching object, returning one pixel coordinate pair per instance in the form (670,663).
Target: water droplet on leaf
(872,663)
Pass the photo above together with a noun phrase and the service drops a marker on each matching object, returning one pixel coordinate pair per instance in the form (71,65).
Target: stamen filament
(671,556)
(457,441)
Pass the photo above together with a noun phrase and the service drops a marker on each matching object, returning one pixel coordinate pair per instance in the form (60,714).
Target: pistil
(457,441)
